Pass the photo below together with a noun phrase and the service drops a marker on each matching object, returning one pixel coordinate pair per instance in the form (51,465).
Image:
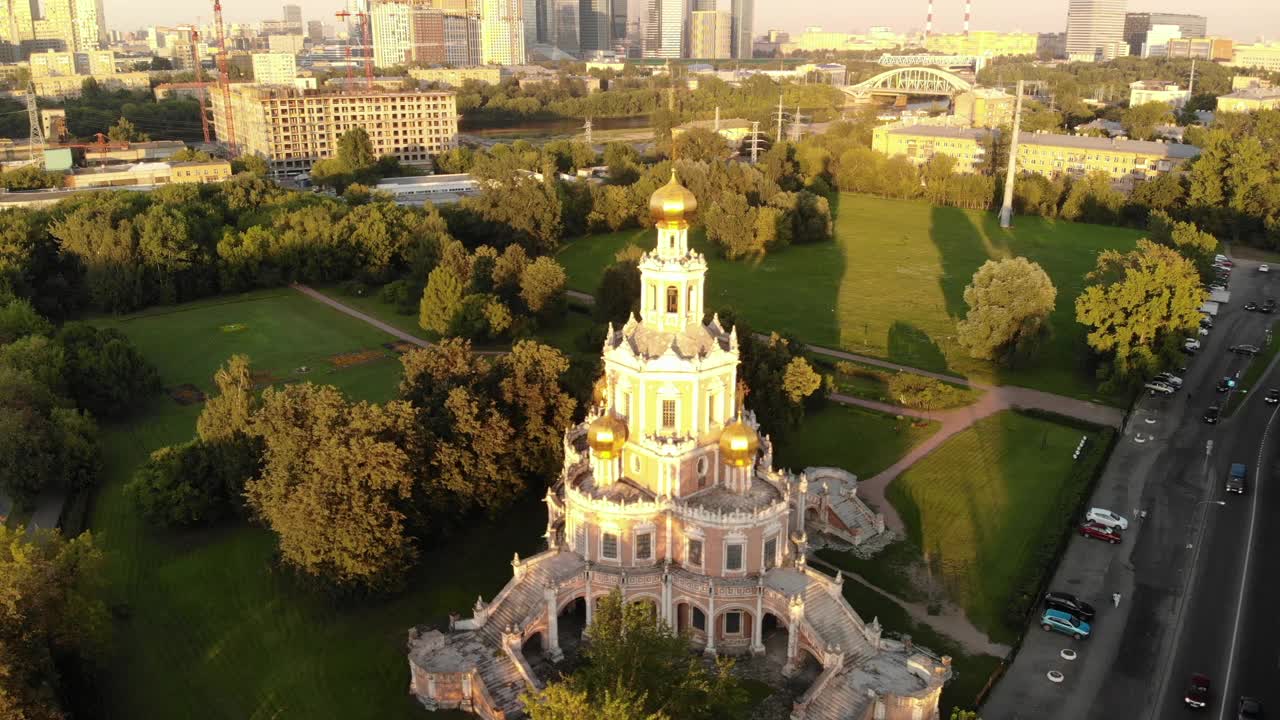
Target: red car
(1197,696)
(1100,532)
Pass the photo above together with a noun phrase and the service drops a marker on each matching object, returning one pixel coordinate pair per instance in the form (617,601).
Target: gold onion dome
(672,202)
(606,435)
(738,444)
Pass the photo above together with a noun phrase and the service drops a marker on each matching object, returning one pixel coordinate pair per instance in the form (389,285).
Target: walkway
(348,310)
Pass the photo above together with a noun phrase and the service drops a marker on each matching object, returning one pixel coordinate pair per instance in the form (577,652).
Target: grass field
(861,441)
(982,504)
(892,285)
(206,624)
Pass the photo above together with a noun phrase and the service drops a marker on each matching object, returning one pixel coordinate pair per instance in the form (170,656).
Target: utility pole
(1006,209)
(587,127)
(796,125)
(755,141)
(717,118)
(1191,86)
(778,138)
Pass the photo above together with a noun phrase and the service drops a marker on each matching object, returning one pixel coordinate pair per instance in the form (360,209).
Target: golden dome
(738,444)
(672,202)
(606,435)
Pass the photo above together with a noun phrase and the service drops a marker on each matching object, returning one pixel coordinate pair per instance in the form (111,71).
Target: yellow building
(1249,100)
(919,143)
(65,86)
(200,172)
(734,130)
(455,77)
(274,68)
(983,43)
(1265,56)
(52,64)
(293,128)
(709,34)
(1128,162)
(985,107)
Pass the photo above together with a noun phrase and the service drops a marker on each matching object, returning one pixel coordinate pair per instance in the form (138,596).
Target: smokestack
(928,22)
(968,4)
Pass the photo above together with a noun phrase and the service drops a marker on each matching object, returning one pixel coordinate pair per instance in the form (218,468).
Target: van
(1236,478)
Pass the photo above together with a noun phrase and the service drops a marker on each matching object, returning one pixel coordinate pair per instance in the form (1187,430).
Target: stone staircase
(503,682)
(839,700)
(832,620)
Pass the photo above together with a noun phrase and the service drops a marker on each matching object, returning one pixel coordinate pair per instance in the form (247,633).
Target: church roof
(693,342)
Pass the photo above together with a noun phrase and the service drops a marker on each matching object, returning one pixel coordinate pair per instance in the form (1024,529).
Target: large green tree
(441,300)
(1140,121)
(1009,303)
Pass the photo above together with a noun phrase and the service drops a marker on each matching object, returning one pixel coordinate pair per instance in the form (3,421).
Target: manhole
(1055,676)
(1068,654)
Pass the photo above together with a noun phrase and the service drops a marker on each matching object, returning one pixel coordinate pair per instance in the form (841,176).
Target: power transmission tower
(587,129)
(778,138)
(797,125)
(37,131)
(1006,209)
(755,141)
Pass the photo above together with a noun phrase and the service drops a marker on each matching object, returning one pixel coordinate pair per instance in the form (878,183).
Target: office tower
(744,20)
(1095,29)
(90,24)
(315,31)
(461,40)
(594,26)
(565,19)
(17,24)
(1137,25)
(664,33)
(274,68)
(619,30)
(502,32)
(710,33)
(531,11)
(293,14)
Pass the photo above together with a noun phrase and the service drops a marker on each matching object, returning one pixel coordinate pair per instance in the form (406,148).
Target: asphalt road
(1189,563)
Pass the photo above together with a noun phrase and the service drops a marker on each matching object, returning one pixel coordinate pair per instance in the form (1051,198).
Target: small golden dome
(606,435)
(738,444)
(672,202)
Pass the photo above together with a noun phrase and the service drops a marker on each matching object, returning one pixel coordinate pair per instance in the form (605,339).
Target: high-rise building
(406,32)
(1137,25)
(563,25)
(502,32)
(462,45)
(619,27)
(1155,42)
(532,14)
(17,18)
(315,31)
(664,32)
(1095,29)
(292,129)
(743,12)
(595,26)
(710,34)
(274,68)
(293,15)
(90,23)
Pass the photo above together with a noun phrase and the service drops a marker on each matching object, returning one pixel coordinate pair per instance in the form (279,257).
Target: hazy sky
(1241,19)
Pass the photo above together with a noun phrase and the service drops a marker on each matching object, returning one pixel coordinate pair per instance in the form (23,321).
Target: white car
(1191,344)
(1264,268)
(1203,331)
(1103,516)
(1168,379)
(1156,386)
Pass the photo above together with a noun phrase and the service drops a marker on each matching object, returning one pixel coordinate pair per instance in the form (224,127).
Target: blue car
(1064,623)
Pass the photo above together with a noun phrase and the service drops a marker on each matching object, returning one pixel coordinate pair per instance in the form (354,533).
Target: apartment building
(710,34)
(985,107)
(407,32)
(1146,91)
(983,43)
(455,77)
(64,86)
(292,129)
(1250,99)
(1206,48)
(1263,56)
(274,68)
(919,143)
(502,32)
(52,64)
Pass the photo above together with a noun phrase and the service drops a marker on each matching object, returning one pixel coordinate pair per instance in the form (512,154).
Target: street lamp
(1199,526)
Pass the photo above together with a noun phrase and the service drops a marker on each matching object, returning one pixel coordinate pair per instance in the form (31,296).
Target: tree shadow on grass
(909,345)
(963,247)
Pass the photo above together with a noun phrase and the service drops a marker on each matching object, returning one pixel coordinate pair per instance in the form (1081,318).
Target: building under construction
(292,129)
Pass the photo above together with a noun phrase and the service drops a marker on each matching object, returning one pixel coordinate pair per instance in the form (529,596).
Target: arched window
(689,302)
(673,299)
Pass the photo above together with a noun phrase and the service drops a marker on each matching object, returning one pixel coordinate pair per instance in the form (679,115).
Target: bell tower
(672,279)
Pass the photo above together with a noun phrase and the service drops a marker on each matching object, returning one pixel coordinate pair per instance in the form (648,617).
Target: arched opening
(807,670)
(773,635)
(734,628)
(673,299)
(571,624)
(532,647)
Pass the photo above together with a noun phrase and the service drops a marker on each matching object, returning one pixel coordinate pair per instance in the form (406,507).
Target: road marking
(1248,558)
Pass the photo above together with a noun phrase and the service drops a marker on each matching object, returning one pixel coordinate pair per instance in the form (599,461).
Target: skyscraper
(744,20)
(1137,25)
(1095,28)
(564,28)
(594,25)
(619,31)
(664,32)
(22,15)
(709,34)
(502,32)
(293,15)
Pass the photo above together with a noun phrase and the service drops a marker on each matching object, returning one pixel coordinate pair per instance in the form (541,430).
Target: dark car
(1197,695)
(1248,709)
(1268,306)
(1069,603)
(1212,414)
(1249,350)
(1100,532)
(1251,306)
(1206,322)
(1273,396)
(1224,384)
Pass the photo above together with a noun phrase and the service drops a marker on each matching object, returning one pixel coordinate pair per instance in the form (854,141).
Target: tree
(618,295)
(1093,199)
(559,701)
(920,392)
(19,319)
(105,373)
(701,145)
(1139,306)
(355,150)
(1190,241)
(1140,121)
(334,483)
(53,621)
(731,225)
(1009,303)
(251,164)
(800,381)
(125,131)
(440,300)
(180,485)
(43,444)
(542,286)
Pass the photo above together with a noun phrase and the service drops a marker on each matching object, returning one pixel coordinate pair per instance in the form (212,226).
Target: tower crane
(224,81)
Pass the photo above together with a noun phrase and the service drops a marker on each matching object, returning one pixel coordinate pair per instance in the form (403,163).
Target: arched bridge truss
(912,81)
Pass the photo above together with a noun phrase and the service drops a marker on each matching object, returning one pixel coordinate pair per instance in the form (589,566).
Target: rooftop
(1084,142)
(942,131)
(1253,93)
(761,495)
(725,124)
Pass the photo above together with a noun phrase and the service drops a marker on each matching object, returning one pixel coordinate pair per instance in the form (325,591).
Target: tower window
(699,619)
(668,413)
(689,302)
(711,409)
(771,553)
(673,299)
(733,557)
(644,546)
(694,558)
(733,623)
(609,546)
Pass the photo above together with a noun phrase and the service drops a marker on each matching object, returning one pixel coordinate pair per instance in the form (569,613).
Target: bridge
(923,59)
(910,81)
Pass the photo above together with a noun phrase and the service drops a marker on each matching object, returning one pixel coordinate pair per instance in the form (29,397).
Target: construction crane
(367,47)
(224,81)
(195,61)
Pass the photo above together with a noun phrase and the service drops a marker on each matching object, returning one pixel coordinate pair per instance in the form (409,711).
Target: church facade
(668,494)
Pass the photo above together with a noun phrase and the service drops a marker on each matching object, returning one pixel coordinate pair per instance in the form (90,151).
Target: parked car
(1249,350)
(1268,306)
(1197,695)
(1158,387)
(1248,708)
(1225,384)
(1211,415)
(1237,478)
(1206,321)
(1191,344)
(1251,306)
(1100,532)
(1169,378)
(1218,287)
(1202,331)
(1069,603)
(1264,268)
(1065,623)
(1103,516)
(1273,396)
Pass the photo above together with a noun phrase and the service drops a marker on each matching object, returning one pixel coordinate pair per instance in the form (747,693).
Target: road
(1170,623)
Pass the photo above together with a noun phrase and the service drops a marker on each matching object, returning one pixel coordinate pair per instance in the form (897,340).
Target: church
(668,493)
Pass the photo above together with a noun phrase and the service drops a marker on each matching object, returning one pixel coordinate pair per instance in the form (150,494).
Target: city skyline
(1244,20)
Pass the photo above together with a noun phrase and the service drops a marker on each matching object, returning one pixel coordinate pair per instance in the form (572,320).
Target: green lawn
(864,442)
(983,505)
(872,383)
(1257,365)
(892,284)
(206,624)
